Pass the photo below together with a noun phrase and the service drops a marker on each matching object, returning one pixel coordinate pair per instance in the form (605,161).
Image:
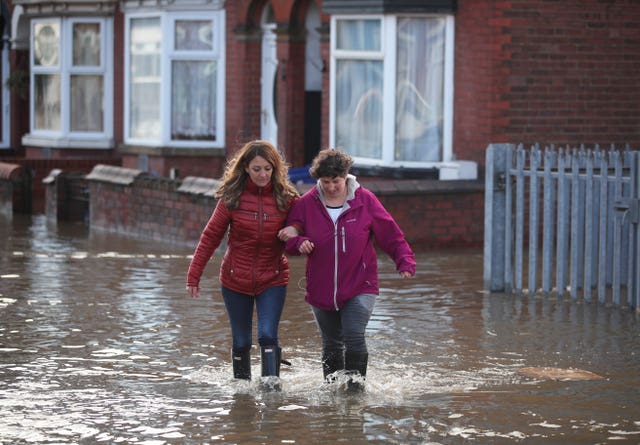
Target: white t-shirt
(335,212)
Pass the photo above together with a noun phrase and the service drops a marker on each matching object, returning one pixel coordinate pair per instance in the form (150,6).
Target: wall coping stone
(391,187)
(113,174)
(199,186)
(9,171)
(52,176)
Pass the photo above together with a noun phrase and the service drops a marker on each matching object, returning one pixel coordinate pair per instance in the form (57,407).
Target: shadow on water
(99,344)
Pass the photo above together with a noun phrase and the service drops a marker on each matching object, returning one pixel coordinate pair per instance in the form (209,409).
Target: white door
(268,122)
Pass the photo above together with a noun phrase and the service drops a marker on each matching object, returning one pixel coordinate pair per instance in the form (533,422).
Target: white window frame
(168,54)
(65,138)
(387,55)
(5,141)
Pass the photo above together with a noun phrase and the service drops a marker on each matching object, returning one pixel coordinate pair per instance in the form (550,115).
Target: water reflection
(99,343)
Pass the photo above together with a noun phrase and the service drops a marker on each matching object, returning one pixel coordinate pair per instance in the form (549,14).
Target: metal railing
(568,217)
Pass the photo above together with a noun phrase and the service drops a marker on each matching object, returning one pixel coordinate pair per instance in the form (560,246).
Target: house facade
(412,89)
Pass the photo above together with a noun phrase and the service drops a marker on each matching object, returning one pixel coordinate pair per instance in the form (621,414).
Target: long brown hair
(235,175)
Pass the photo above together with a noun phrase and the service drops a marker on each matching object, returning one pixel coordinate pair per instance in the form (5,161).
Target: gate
(568,217)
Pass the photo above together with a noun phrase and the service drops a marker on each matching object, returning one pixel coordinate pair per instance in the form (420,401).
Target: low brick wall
(66,196)
(433,214)
(12,188)
(33,200)
(133,203)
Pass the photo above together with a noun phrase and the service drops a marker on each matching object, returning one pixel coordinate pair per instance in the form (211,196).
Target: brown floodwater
(99,343)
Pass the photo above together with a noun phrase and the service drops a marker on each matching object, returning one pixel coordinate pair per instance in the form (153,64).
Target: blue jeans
(344,330)
(239,306)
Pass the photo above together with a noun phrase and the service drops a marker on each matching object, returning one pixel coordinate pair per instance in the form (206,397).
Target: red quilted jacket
(254,259)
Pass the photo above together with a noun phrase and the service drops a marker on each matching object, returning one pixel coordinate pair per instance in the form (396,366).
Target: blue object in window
(300,175)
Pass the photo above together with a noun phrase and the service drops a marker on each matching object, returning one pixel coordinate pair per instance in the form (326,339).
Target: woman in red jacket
(253,200)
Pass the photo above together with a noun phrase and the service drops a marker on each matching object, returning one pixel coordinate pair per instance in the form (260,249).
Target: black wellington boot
(270,357)
(355,365)
(241,364)
(332,361)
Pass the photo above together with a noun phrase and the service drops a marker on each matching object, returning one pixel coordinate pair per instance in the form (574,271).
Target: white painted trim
(67,142)
(167,19)
(458,170)
(6,96)
(388,55)
(389,77)
(131,6)
(65,70)
(448,104)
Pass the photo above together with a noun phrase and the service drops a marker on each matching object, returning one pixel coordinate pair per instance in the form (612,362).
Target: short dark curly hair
(330,163)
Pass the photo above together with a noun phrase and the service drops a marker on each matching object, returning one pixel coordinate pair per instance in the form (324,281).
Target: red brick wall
(149,209)
(40,169)
(19,105)
(432,215)
(546,71)
(574,72)
(210,166)
(291,89)
(6,197)
(440,221)
(474,71)
(243,59)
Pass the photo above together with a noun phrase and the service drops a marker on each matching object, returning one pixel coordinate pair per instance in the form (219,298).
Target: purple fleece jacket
(344,262)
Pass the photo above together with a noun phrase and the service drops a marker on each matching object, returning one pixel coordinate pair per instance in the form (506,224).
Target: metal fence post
(494,216)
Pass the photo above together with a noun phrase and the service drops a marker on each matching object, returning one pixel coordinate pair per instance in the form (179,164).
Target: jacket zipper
(335,267)
(336,250)
(259,217)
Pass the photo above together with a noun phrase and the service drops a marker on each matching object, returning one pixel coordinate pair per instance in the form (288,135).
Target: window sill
(66,142)
(444,171)
(169,151)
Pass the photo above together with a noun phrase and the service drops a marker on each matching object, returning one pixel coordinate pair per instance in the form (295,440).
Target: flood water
(99,343)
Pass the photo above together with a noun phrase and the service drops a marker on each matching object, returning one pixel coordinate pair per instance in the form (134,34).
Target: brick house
(413,89)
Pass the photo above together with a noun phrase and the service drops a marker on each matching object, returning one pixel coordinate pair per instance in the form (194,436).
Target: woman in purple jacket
(336,224)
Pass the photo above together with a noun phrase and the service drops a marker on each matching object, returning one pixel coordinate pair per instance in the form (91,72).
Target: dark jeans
(269,305)
(344,330)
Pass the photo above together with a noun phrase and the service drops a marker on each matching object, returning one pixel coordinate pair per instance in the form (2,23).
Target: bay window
(70,63)
(175,79)
(392,89)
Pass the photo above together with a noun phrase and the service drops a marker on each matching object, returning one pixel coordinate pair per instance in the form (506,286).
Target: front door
(268,117)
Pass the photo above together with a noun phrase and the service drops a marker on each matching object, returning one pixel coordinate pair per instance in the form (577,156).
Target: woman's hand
(306,247)
(194,291)
(287,233)
(405,274)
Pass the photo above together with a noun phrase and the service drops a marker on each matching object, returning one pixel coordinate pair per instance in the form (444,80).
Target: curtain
(419,89)
(193,101)
(359,107)
(46,113)
(87,112)
(145,78)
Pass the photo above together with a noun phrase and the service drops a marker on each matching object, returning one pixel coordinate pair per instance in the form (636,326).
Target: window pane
(193,100)
(47,102)
(194,35)
(86,103)
(419,90)
(359,35)
(359,107)
(86,44)
(46,38)
(145,78)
